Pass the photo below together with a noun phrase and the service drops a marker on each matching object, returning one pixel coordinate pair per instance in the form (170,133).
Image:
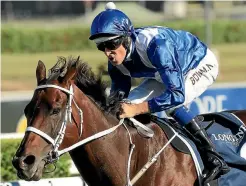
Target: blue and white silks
(161,53)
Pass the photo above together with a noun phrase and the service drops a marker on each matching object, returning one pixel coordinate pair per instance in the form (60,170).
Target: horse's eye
(56,111)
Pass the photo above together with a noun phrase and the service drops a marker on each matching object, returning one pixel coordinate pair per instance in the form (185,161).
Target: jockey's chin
(117,59)
(115,62)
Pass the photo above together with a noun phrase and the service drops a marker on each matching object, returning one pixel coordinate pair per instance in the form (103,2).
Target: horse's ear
(40,72)
(71,72)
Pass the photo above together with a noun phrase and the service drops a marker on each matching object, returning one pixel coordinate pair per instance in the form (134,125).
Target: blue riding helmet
(111,22)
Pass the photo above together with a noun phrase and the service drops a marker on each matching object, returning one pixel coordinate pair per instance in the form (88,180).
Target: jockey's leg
(214,164)
(196,82)
(147,90)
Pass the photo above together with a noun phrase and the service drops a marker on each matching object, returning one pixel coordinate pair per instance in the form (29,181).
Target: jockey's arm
(119,82)
(163,56)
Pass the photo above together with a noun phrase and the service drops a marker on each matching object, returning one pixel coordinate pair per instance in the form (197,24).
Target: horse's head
(45,115)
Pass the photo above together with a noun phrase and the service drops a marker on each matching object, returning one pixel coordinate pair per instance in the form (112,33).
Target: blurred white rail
(11,135)
(72,181)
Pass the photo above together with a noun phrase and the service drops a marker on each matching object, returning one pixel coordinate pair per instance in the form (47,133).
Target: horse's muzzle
(24,162)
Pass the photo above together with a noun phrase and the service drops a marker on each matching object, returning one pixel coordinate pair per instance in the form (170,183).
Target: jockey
(177,68)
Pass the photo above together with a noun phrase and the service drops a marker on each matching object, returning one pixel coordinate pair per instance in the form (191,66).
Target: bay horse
(69,106)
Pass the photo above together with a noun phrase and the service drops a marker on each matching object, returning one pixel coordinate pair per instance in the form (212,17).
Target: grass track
(18,70)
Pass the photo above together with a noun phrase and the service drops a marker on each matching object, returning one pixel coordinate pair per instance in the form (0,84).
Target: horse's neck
(104,161)
(103,152)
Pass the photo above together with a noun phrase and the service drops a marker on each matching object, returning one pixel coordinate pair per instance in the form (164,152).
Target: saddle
(225,130)
(169,126)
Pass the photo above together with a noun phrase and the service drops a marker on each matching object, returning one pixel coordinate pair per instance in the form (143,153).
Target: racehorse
(69,106)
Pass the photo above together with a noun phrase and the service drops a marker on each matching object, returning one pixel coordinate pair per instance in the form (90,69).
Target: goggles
(111,44)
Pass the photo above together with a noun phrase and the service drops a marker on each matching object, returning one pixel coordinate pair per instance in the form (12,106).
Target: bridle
(54,154)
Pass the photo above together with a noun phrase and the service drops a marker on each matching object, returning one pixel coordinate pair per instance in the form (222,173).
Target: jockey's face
(117,56)
(114,50)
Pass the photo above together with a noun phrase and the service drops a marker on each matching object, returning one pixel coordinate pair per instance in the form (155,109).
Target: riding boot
(215,165)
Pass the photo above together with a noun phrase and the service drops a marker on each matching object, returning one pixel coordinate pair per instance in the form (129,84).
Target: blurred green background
(43,31)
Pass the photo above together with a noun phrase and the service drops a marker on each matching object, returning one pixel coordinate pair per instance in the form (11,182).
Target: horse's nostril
(29,160)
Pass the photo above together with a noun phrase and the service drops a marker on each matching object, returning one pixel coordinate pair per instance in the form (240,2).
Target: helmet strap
(127,45)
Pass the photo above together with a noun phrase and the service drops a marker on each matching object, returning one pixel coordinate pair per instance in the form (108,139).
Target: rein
(54,154)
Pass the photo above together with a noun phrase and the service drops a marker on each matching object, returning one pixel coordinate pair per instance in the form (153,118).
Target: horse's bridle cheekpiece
(54,154)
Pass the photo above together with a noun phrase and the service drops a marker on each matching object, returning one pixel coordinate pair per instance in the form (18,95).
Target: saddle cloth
(228,134)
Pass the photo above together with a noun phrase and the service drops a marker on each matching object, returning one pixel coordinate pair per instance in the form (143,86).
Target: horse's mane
(85,79)
(89,83)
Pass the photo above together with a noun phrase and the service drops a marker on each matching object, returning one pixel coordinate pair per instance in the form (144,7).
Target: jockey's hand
(128,110)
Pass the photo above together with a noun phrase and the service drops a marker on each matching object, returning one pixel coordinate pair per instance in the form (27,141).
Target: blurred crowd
(39,9)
